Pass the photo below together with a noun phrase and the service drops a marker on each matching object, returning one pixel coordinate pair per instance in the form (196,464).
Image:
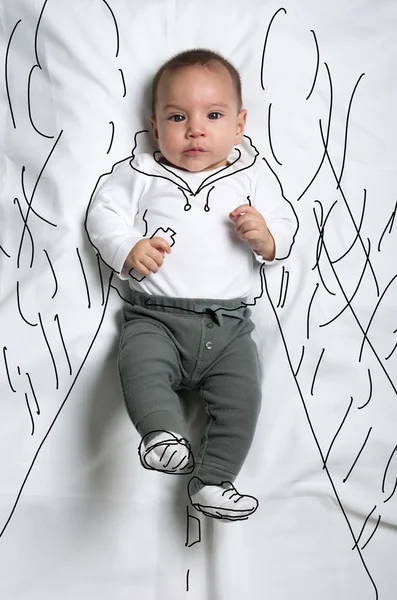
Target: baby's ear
(153,123)
(241,121)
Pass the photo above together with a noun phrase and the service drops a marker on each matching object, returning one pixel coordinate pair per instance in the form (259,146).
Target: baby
(184,226)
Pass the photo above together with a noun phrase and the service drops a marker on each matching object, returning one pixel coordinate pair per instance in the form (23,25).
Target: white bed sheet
(79,517)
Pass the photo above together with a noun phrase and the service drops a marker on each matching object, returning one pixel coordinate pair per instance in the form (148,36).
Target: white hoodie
(143,197)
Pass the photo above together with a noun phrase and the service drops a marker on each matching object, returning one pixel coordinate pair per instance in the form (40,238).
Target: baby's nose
(196,128)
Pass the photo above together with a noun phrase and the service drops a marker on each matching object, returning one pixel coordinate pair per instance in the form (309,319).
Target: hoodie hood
(240,158)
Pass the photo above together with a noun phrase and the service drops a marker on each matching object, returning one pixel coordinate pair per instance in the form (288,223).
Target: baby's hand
(147,255)
(251,226)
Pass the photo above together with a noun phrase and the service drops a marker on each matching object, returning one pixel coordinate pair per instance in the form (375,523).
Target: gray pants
(169,344)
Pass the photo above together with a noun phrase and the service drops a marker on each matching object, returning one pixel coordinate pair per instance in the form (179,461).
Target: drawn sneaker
(166,452)
(222,502)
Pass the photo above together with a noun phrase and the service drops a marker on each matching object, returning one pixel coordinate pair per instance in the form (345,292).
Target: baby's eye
(214,115)
(177,118)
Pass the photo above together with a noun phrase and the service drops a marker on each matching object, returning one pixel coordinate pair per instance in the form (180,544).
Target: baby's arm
(252,227)
(269,223)
(110,221)
(147,255)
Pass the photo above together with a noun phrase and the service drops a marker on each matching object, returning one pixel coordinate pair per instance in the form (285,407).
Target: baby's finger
(242,209)
(250,221)
(160,244)
(150,264)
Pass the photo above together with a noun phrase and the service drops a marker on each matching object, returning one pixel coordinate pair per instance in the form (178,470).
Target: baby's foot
(166,452)
(222,502)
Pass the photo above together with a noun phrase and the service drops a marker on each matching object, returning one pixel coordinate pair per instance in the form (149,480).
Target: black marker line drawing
(27,201)
(19,494)
(309,309)
(315,371)
(372,534)
(187,580)
(85,279)
(56,319)
(358,455)
(192,523)
(313,432)
(300,362)
(320,242)
(326,153)
(387,468)
(285,289)
(111,137)
(207,206)
(36,66)
(330,112)
(7,369)
(270,135)
(370,391)
(392,494)
(265,43)
(338,431)
(281,285)
(30,413)
(33,394)
(391,352)
(363,527)
(365,333)
(20,311)
(6,73)
(167,234)
(350,300)
(116,27)
(351,309)
(25,222)
(53,273)
(32,197)
(101,278)
(225,513)
(4,252)
(347,129)
(335,260)
(50,351)
(317,65)
(123,82)
(389,226)
(366,252)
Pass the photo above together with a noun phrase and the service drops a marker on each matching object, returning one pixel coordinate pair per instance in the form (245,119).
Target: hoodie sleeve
(111,216)
(278,213)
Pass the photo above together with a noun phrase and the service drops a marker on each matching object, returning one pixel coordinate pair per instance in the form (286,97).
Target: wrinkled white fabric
(79,516)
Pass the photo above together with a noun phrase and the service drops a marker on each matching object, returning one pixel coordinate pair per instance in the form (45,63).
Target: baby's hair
(191,58)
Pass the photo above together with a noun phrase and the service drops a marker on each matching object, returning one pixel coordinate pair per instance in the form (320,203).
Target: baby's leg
(232,392)
(149,369)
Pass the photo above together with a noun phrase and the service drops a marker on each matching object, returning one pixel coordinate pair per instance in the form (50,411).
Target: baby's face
(197,119)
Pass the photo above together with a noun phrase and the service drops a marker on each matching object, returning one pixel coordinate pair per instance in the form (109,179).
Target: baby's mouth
(194,151)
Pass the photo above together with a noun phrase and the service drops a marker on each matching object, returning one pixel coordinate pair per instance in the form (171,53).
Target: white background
(79,517)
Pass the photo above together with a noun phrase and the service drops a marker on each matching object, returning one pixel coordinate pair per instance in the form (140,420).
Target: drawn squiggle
(6,73)
(27,201)
(270,135)
(302,399)
(325,143)
(33,194)
(57,414)
(330,111)
(116,26)
(317,65)
(266,39)
(346,130)
(37,65)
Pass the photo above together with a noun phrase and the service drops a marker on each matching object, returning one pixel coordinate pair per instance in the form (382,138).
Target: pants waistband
(217,307)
